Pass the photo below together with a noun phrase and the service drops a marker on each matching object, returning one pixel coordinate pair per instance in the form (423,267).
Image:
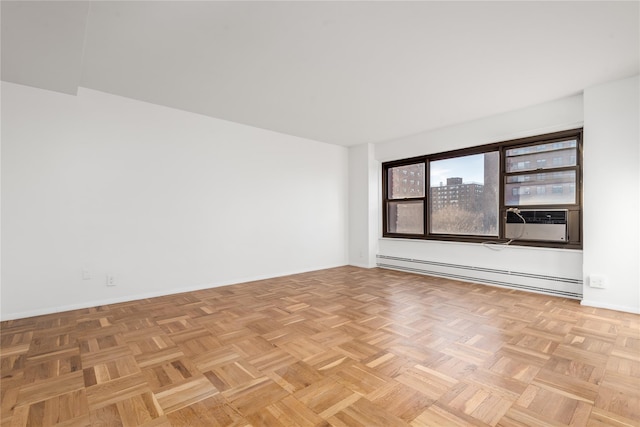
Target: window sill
(513,245)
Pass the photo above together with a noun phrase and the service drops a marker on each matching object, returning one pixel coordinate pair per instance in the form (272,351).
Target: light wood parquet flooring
(338,347)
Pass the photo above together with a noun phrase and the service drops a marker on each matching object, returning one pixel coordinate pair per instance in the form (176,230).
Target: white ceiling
(338,72)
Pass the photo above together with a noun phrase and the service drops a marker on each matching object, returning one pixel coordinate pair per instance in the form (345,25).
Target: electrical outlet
(596,281)
(111,280)
(86,275)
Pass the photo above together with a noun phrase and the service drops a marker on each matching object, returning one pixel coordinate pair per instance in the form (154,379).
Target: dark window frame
(574,209)
(385,183)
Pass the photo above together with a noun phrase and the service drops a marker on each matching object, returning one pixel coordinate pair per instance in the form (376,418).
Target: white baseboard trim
(161,293)
(597,304)
(361,265)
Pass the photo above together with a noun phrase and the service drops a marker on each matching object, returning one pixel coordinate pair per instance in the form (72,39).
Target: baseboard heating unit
(551,285)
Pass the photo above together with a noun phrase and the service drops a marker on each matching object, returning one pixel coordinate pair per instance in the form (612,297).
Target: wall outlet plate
(111,280)
(597,281)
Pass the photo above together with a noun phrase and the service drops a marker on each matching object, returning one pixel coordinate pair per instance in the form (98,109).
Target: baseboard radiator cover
(540,283)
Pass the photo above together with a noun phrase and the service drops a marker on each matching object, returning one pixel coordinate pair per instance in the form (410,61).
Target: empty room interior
(361,213)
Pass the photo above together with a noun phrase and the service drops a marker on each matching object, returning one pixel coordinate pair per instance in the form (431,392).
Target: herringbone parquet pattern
(340,347)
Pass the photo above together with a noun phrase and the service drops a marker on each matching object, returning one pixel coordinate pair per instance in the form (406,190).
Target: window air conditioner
(539,225)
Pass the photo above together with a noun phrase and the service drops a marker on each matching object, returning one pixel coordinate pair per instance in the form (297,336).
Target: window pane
(542,156)
(547,188)
(464,195)
(406,182)
(405,217)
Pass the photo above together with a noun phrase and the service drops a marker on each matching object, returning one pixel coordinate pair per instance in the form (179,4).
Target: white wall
(549,117)
(554,116)
(611,194)
(163,199)
(364,173)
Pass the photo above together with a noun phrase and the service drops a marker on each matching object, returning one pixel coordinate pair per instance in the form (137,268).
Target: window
(405,206)
(560,174)
(474,181)
(463,195)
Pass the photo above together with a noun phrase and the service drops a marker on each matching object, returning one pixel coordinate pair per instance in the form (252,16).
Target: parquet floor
(338,347)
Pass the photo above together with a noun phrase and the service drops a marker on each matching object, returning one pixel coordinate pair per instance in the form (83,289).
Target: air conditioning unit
(539,225)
